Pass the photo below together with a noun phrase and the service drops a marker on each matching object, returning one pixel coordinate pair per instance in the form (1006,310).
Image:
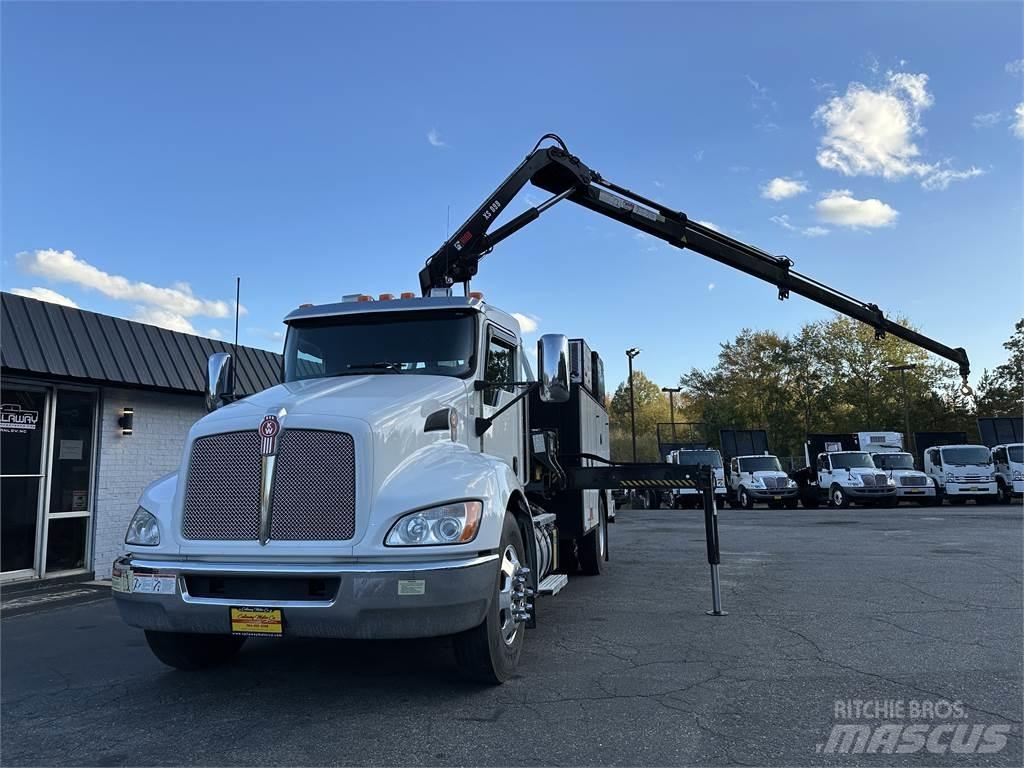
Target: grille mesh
(774,482)
(874,480)
(222,499)
(314,487)
(913,480)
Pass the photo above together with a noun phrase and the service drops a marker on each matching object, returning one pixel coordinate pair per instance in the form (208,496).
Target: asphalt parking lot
(898,605)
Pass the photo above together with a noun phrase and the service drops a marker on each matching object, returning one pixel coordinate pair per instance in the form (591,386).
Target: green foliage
(1001,392)
(651,408)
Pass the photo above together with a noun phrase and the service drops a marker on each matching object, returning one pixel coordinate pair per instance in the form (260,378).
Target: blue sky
(315,150)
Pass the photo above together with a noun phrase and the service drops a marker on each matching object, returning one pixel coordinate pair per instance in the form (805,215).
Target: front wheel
(1005,494)
(746,500)
(791,503)
(191,651)
(838,497)
(489,652)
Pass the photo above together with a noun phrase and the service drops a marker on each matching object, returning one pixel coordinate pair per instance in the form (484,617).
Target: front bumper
(870,492)
(773,494)
(1018,487)
(915,491)
(370,601)
(971,489)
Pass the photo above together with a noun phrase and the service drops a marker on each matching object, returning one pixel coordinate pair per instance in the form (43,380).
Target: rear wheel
(190,651)
(593,546)
(490,651)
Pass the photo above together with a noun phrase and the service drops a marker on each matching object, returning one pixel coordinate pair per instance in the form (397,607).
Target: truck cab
(851,476)
(754,479)
(379,491)
(1009,467)
(690,498)
(962,472)
(911,483)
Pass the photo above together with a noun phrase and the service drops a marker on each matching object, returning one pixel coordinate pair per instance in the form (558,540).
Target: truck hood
(376,399)
(904,473)
(762,473)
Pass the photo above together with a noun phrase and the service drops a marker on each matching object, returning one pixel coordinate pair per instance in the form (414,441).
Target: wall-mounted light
(126,421)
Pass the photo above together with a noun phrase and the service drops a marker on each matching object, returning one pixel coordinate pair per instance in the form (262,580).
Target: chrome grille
(874,480)
(971,479)
(774,482)
(315,486)
(222,498)
(915,480)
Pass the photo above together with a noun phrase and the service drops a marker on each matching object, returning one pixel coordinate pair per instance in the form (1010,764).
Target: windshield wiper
(381,365)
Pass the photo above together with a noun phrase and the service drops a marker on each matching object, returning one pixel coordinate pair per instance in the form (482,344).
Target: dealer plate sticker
(154,583)
(412,586)
(257,622)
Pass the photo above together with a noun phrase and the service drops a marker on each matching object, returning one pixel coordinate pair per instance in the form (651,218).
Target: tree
(1001,392)
(651,408)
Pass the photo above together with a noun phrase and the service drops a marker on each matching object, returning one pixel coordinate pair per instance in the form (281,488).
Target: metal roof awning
(45,339)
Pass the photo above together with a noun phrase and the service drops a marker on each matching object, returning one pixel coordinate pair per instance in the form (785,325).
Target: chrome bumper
(434,597)
(915,491)
(771,494)
(859,492)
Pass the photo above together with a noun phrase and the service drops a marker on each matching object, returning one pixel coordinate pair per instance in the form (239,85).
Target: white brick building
(94,408)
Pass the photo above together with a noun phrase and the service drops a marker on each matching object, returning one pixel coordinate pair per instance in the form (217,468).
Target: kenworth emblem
(269,429)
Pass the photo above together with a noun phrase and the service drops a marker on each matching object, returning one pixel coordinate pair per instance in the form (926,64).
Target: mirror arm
(480,386)
(483,424)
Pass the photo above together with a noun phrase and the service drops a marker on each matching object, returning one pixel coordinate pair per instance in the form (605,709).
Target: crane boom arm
(555,170)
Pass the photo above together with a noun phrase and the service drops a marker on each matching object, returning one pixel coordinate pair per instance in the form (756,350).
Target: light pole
(672,407)
(906,407)
(631,353)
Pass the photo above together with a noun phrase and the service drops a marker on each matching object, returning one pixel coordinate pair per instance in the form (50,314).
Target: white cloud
(435,138)
(527,323)
(942,179)
(214,333)
(1015,67)
(780,188)
(164,318)
(711,286)
(45,294)
(840,207)
(784,222)
(987,119)
(66,267)
(871,132)
(710,225)
(267,334)
(763,103)
(1018,121)
(698,155)
(659,184)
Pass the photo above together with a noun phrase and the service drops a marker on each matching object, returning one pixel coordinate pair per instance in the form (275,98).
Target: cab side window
(499,368)
(822,464)
(936,457)
(999,455)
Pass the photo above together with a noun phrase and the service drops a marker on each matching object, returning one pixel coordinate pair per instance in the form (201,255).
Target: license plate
(914,491)
(257,622)
(776,498)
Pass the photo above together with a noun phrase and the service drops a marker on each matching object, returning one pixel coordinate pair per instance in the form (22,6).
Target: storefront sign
(14,419)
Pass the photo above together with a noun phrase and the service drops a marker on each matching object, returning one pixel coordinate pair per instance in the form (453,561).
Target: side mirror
(553,367)
(220,381)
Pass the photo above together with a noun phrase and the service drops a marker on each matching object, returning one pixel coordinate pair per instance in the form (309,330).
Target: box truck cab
(911,483)
(690,498)
(754,479)
(851,476)
(1009,466)
(379,491)
(962,472)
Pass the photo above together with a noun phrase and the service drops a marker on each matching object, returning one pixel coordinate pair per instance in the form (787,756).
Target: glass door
(22,477)
(69,510)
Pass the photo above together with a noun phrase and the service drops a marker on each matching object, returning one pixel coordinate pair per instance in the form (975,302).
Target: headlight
(454,523)
(791,484)
(143,530)
(1018,475)
(891,482)
(949,477)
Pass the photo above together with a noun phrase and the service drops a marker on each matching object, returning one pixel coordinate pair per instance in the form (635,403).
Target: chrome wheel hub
(514,595)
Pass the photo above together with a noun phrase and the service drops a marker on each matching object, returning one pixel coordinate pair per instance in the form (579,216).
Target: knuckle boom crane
(555,170)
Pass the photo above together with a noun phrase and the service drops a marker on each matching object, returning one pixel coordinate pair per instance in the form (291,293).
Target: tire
(192,651)
(1005,494)
(592,547)
(838,498)
(791,503)
(489,652)
(957,501)
(745,501)
(809,497)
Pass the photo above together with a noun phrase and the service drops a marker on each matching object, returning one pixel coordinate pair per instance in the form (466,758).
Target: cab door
(824,471)
(504,439)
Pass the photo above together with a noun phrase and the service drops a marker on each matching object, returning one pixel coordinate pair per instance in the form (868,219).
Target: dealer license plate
(916,490)
(776,498)
(257,622)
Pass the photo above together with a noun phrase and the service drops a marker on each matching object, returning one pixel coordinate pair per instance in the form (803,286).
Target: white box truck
(962,473)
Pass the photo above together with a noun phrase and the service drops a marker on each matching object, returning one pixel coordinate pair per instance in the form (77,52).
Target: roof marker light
(408,295)
(476,295)
(364,297)
(386,297)
(304,306)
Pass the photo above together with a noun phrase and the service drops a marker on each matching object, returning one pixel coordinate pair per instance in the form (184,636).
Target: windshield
(850,461)
(714,458)
(760,464)
(894,461)
(422,342)
(969,454)
(1016,453)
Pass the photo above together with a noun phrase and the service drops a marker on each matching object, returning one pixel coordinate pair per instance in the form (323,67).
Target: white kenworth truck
(388,488)
(886,449)
(409,477)
(839,472)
